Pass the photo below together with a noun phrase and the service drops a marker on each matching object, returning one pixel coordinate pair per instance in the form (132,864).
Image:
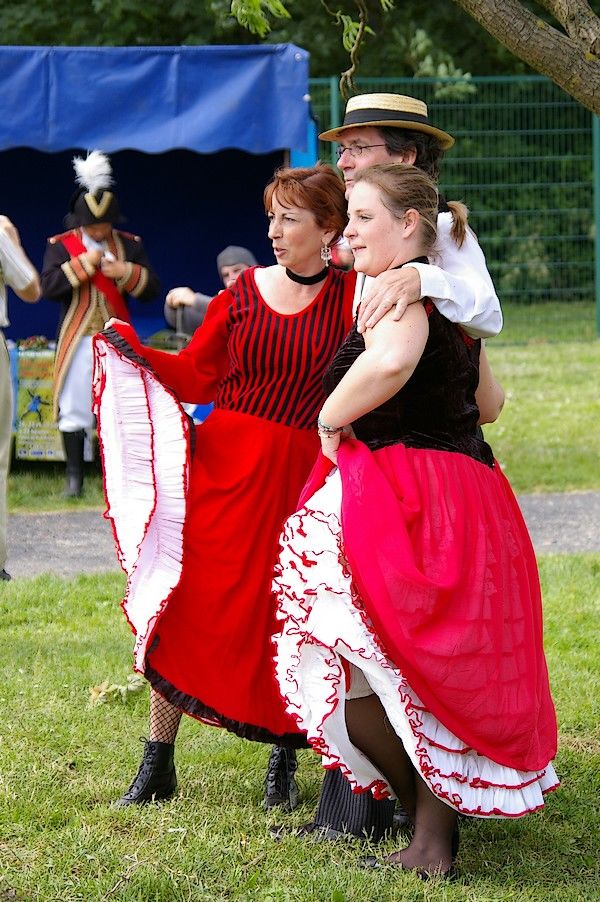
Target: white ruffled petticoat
(323,622)
(140,421)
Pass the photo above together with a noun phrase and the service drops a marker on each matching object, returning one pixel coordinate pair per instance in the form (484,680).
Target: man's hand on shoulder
(395,288)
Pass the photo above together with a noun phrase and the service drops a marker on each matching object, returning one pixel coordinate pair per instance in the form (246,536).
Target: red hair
(315,188)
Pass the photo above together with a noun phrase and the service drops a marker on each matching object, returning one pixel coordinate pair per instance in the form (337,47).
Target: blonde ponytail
(460,215)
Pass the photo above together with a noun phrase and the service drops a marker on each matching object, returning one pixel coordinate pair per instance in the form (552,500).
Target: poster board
(36,432)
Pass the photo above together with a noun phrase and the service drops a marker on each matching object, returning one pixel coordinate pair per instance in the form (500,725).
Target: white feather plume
(94,173)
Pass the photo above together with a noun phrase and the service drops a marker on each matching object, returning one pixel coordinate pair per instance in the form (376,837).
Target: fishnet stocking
(164,719)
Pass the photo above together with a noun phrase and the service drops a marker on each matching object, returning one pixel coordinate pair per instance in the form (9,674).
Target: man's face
(373,151)
(230,273)
(99,232)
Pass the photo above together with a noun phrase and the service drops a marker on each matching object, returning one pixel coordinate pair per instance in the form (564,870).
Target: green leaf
(252,14)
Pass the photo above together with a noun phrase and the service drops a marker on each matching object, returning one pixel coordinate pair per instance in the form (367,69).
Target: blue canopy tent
(194,134)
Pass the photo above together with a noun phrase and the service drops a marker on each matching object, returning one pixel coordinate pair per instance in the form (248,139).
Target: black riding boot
(73,445)
(156,779)
(280,784)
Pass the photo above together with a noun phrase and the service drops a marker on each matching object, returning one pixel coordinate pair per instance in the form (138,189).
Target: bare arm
(394,290)
(489,394)
(393,349)
(32,293)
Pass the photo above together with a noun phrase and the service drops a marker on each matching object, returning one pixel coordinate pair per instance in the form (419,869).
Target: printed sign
(37,437)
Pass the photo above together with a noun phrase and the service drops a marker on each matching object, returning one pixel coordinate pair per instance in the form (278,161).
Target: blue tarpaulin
(154,99)
(194,134)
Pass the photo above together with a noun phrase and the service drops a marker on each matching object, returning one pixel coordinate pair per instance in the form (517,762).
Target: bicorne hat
(93,202)
(388,111)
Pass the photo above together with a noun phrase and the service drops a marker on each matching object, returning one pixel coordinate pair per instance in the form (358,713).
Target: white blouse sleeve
(461,286)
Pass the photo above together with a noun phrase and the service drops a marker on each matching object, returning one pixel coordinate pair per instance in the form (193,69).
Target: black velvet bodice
(436,407)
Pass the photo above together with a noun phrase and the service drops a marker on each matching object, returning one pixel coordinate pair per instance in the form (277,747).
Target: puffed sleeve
(195,372)
(461,286)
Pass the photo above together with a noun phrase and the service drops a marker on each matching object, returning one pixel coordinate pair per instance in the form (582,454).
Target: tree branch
(569,64)
(578,20)
(347,78)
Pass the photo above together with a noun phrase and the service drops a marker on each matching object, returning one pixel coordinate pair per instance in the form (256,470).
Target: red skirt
(212,654)
(196,515)
(445,571)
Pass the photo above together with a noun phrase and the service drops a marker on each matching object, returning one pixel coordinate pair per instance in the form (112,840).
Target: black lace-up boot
(156,778)
(280,784)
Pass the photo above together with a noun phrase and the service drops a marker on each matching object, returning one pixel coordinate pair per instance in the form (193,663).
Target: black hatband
(359,117)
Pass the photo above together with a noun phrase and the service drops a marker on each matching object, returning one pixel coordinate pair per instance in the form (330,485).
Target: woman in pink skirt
(411,646)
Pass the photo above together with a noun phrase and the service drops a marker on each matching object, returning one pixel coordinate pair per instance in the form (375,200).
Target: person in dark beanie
(192,305)
(90,269)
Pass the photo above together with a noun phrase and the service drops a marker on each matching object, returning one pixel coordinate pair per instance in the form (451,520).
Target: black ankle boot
(280,785)
(156,779)
(73,445)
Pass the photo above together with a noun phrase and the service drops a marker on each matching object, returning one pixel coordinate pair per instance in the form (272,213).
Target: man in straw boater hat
(89,269)
(384,128)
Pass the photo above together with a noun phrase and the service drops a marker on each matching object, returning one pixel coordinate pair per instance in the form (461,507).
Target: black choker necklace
(307,280)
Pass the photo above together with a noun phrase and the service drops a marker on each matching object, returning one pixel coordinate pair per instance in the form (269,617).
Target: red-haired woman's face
(296,238)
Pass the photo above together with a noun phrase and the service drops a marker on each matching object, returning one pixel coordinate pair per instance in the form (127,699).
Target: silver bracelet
(324,429)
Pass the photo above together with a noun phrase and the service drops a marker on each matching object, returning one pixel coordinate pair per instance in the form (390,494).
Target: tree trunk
(569,63)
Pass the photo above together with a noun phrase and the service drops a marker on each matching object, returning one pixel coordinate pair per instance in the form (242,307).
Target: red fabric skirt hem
(444,566)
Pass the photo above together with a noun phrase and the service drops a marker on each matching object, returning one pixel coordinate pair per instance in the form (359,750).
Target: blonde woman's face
(377,238)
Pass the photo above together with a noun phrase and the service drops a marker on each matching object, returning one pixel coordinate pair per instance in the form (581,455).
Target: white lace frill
(322,623)
(140,422)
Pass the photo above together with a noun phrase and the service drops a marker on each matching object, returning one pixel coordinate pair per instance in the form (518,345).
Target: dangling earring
(326,254)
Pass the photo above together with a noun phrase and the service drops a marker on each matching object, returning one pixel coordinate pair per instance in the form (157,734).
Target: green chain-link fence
(523,164)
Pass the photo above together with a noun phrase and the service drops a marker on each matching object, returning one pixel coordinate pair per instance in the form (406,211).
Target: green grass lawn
(548,435)
(548,322)
(63,760)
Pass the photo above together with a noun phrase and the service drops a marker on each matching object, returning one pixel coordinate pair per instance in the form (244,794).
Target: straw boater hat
(388,111)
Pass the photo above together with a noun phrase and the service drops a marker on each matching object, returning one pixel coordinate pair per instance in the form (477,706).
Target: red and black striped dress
(211,653)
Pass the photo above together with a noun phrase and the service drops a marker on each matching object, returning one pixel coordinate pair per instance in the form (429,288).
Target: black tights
(371,732)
